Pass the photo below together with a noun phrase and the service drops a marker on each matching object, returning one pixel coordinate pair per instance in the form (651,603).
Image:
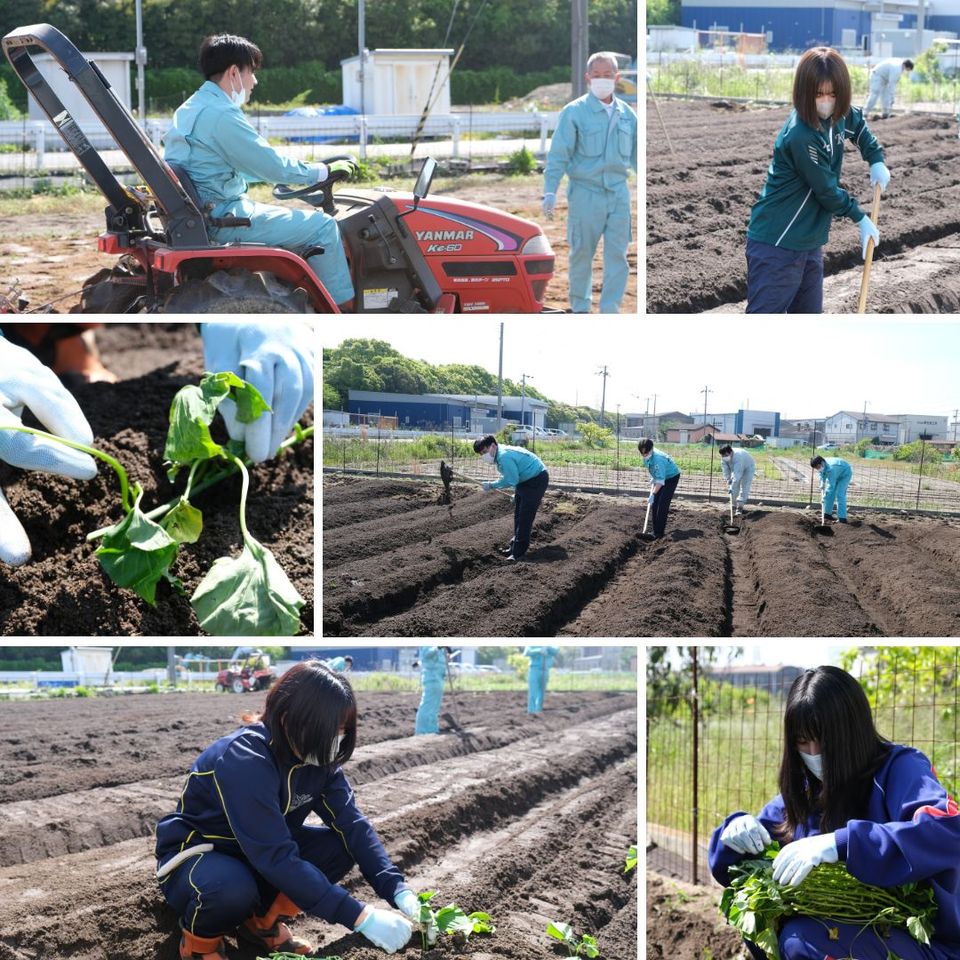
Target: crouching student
(848,795)
(236,854)
(790,222)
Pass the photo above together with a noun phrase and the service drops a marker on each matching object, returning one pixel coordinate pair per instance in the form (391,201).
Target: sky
(810,653)
(809,367)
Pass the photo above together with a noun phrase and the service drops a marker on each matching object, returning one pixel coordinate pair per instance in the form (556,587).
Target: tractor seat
(191,191)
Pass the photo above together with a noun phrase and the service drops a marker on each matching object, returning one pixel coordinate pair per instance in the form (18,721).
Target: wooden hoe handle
(865,281)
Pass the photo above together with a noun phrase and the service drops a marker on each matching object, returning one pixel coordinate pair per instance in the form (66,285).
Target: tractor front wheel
(237,685)
(237,291)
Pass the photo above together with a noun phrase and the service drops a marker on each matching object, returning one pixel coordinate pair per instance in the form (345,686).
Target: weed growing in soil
(585,946)
(296,956)
(450,920)
(245,596)
(630,861)
(755,903)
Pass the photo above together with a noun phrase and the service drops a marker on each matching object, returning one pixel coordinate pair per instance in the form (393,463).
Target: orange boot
(193,947)
(267,933)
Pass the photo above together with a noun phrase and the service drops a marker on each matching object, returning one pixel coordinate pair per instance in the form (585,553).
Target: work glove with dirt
(409,906)
(277,359)
(879,174)
(26,382)
(868,230)
(386,930)
(549,205)
(797,859)
(745,834)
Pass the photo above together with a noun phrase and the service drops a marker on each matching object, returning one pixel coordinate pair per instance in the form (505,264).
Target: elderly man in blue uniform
(541,659)
(595,145)
(835,476)
(222,153)
(525,472)
(433,671)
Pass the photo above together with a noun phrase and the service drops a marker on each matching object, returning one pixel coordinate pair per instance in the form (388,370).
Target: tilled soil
(699,202)
(684,922)
(526,818)
(52,254)
(419,569)
(63,591)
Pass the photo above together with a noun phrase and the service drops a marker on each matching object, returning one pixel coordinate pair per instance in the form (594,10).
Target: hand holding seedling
(274,358)
(26,382)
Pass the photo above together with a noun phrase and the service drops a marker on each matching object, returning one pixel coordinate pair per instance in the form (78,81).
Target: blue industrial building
(434,411)
(799,24)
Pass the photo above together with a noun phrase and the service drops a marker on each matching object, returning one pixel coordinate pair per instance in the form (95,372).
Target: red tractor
(248,671)
(406,255)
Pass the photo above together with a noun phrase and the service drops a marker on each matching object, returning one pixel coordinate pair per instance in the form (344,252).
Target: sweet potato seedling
(450,920)
(249,595)
(630,861)
(585,946)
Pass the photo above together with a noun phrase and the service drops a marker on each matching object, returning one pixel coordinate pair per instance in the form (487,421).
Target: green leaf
(250,403)
(426,896)
(588,946)
(448,916)
(631,859)
(560,931)
(248,596)
(137,553)
(917,930)
(191,413)
(184,522)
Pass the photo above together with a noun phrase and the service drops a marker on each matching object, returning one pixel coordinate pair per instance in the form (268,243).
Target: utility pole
(523,395)
(362,45)
(956,414)
(172,666)
(579,46)
(864,421)
(603,399)
(500,384)
(140,56)
(706,391)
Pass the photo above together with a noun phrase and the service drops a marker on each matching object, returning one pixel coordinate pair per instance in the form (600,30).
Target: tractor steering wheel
(283,192)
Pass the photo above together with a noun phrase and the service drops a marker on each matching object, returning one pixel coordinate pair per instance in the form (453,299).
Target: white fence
(302,135)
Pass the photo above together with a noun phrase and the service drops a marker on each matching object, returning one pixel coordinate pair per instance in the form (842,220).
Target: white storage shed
(398,82)
(114,66)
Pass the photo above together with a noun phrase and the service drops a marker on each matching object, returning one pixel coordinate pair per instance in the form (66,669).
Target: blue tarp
(334,110)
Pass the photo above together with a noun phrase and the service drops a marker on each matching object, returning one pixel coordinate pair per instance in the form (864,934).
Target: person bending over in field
(525,472)
(277,358)
(664,477)
(835,476)
(237,855)
(790,222)
(738,469)
(849,795)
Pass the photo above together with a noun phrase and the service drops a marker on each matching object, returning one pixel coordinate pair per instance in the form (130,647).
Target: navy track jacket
(239,797)
(911,832)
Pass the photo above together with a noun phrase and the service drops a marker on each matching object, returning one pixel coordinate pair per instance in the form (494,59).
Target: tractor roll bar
(184,221)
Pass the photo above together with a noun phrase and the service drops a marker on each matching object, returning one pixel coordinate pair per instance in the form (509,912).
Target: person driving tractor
(222,153)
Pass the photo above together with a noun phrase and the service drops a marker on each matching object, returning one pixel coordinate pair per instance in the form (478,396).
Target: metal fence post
(455,149)
(40,143)
(812,471)
(543,134)
(923,447)
(713,444)
(362,131)
(378,444)
(695,704)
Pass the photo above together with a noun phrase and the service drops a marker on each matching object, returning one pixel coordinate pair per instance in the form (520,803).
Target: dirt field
(51,254)
(698,205)
(525,818)
(397,563)
(63,590)
(684,922)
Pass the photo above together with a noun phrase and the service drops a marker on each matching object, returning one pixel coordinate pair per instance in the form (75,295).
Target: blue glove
(651,498)
(797,859)
(868,230)
(487,486)
(386,930)
(277,358)
(549,205)
(409,905)
(745,834)
(879,174)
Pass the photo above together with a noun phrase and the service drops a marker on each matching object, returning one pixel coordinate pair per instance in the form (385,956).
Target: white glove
(386,930)
(26,382)
(409,905)
(879,174)
(487,486)
(549,205)
(745,834)
(651,498)
(277,358)
(867,230)
(797,859)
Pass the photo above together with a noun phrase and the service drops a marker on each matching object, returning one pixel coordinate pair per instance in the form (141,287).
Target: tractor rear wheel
(237,291)
(237,685)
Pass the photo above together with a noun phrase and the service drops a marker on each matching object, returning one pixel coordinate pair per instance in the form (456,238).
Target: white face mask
(814,763)
(726,458)
(602,87)
(238,98)
(489,457)
(314,761)
(825,108)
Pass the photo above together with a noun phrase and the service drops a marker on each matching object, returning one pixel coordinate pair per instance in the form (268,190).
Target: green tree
(912,452)
(594,435)
(331,397)
(663,11)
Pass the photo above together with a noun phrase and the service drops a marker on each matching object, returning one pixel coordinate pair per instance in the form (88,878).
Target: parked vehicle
(248,671)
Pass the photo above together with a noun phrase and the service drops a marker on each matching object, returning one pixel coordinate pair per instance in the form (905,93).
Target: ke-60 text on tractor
(406,255)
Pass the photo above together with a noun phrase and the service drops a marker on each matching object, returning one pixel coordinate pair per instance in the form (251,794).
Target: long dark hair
(305,710)
(829,706)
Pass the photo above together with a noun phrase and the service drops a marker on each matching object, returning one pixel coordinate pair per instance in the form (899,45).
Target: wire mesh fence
(714,739)
(930,483)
